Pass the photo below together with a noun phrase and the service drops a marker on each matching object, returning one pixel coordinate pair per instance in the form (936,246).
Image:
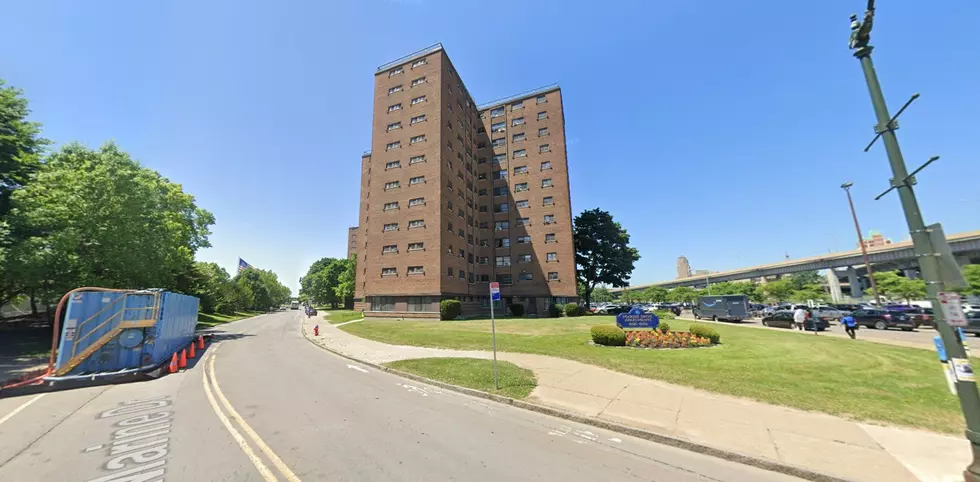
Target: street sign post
(952,309)
(494,296)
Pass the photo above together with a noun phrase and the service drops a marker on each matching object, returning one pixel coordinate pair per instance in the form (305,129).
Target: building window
(393,126)
(517,122)
(541,99)
(383,303)
(482,192)
(552,257)
(469,276)
(498,127)
(505,279)
(392,185)
(395,71)
(462,275)
(544,148)
(484,225)
(500,191)
(416,270)
(449,227)
(552,276)
(416,180)
(549,219)
(416,246)
(520,170)
(523,221)
(397,88)
(499,142)
(482,176)
(417,119)
(485,278)
(483,208)
(503,242)
(394,107)
(502,261)
(542,132)
(389,271)
(546,182)
(418,100)
(524,276)
(391,205)
(501,208)
(417,139)
(418,81)
(550,238)
(548,201)
(419,303)
(460,212)
(461,233)
(522,204)
(450,272)
(391,227)
(449,249)
(519,137)
(418,201)
(391,248)
(520,153)
(497,175)
(499,111)
(462,253)
(524,239)
(416,223)
(520,187)
(498,158)
(546,165)
(517,105)
(542,115)
(501,225)
(469,241)
(393,164)
(418,63)
(393,145)
(484,260)
(524,258)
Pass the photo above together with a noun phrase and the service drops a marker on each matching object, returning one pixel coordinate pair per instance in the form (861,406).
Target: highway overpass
(965,247)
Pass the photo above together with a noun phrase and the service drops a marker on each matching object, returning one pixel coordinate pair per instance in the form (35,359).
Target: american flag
(242,265)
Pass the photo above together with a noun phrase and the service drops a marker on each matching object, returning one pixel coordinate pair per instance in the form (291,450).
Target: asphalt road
(265,404)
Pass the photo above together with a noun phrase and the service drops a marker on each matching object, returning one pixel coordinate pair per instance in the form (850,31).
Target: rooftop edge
(511,98)
(412,56)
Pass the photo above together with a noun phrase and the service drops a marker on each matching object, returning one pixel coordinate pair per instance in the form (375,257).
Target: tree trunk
(33,302)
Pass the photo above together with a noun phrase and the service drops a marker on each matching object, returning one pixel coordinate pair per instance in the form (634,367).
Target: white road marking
(283,468)
(355,367)
(256,461)
(94,448)
(18,409)
(617,440)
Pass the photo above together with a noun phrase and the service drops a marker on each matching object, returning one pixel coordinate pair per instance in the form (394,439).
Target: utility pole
(936,262)
(864,250)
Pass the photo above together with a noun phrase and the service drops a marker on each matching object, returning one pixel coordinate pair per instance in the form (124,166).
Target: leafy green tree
(211,285)
(21,144)
(683,294)
(804,278)
(778,290)
(972,274)
(627,296)
(813,292)
(601,294)
(892,285)
(97,218)
(654,294)
(602,251)
(261,289)
(346,281)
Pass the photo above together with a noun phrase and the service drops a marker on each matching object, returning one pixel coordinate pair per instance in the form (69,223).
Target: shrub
(571,309)
(450,309)
(705,331)
(657,339)
(664,327)
(665,315)
(517,310)
(608,335)
(554,311)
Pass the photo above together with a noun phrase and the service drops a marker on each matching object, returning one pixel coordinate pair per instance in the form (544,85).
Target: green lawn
(207,320)
(852,378)
(339,316)
(515,382)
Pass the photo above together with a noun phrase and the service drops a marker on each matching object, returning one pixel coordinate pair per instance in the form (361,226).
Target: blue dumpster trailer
(111,332)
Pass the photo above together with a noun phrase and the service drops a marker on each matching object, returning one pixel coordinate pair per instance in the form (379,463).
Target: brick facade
(448,205)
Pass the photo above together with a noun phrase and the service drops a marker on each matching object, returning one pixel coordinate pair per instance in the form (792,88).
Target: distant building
(683,267)
(702,272)
(876,240)
(351,241)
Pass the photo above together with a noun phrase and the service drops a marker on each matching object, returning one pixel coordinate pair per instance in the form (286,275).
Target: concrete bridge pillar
(911,273)
(962,260)
(857,289)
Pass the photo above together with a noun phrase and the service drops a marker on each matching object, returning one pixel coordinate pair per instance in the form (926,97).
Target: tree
(654,294)
(98,218)
(627,296)
(602,251)
(683,294)
(778,290)
(809,292)
(261,289)
(601,294)
(21,144)
(972,274)
(804,278)
(346,281)
(892,285)
(319,284)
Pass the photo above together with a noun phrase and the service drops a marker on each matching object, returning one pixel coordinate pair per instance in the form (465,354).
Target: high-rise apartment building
(876,240)
(351,240)
(455,195)
(683,267)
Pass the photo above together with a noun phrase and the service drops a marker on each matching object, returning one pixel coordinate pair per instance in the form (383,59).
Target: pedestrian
(799,318)
(850,326)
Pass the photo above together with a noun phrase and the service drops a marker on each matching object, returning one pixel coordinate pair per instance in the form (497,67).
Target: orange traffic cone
(173,363)
(200,342)
(190,351)
(183,359)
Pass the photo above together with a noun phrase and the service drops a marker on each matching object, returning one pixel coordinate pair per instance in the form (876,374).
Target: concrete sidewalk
(814,441)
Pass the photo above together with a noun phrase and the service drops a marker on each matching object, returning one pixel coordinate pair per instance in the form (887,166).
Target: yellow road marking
(18,409)
(290,476)
(256,461)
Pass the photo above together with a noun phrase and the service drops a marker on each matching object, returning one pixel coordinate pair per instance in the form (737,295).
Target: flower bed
(670,339)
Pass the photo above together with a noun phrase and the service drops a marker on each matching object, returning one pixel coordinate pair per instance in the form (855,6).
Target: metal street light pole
(864,250)
(936,262)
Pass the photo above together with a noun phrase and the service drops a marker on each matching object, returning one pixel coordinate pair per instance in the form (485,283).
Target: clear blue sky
(728,146)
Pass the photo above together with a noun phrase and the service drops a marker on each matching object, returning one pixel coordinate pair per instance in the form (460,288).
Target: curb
(680,443)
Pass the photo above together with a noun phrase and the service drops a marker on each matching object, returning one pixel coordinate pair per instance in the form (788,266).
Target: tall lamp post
(939,269)
(864,250)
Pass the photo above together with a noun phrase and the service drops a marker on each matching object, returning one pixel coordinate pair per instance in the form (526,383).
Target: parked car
(784,319)
(883,319)
(825,312)
(675,309)
(613,309)
(922,317)
(846,308)
(973,323)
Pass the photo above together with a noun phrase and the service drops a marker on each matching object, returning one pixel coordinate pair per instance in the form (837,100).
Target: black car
(973,323)
(613,309)
(784,319)
(883,319)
